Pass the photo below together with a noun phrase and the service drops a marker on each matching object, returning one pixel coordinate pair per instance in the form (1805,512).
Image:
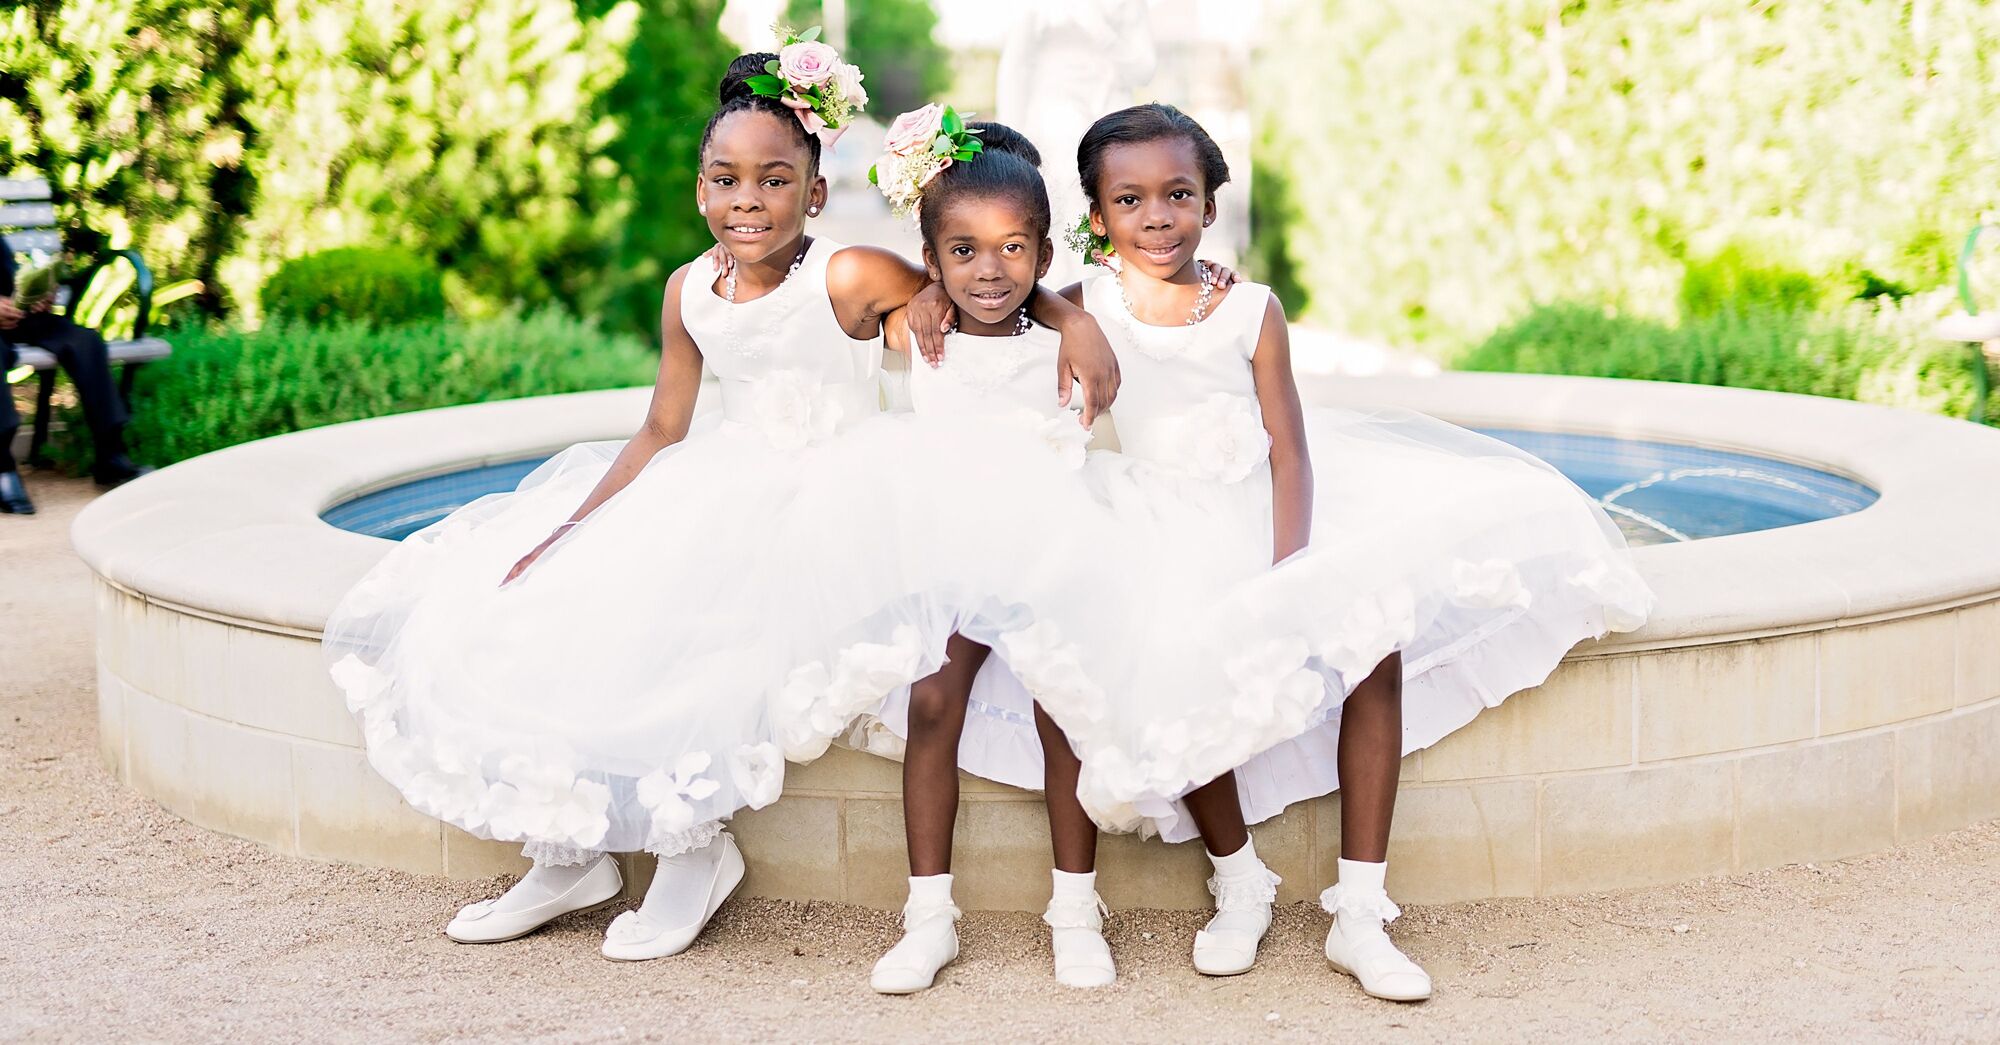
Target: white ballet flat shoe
(929,943)
(632,938)
(1227,946)
(483,923)
(1076,934)
(1358,946)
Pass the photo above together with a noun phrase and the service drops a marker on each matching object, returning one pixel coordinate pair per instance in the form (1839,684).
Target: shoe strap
(1338,899)
(1257,888)
(1076,912)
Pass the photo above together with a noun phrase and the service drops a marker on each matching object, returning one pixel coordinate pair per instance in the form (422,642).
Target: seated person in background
(80,352)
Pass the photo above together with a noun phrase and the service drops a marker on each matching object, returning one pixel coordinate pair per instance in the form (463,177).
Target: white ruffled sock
(1075,918)
(1364,879)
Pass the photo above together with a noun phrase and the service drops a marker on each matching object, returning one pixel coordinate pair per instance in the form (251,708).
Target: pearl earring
(701,208)
(812,212)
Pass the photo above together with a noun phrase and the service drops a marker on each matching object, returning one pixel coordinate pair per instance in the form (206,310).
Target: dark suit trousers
(81,354)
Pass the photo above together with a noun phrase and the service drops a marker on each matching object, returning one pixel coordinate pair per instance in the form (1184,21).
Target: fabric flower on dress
(1050,669)
(1369,631)
(759,773)
(360,682)
(873,736)
(1489,585)
(671,796)
(866,672)
(789,411)
(1226,438)
(1065,435)
(1274,688)
(1626,599)
(805,723)
(535,801)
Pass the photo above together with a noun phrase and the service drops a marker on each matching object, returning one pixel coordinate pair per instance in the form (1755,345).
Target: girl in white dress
(1422,573)
(614,694)
(1425,574)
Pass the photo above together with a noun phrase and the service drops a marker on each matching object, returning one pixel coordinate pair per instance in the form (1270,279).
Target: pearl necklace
(1195,315)
(1021,323)
(730,335)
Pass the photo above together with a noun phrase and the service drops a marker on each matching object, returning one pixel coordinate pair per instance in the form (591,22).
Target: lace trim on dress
(696,837)
(555,854)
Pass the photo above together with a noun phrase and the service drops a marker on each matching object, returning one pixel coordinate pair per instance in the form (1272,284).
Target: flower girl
(614,693)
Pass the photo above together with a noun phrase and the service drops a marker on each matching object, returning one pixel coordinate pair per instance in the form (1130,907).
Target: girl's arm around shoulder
(868,283)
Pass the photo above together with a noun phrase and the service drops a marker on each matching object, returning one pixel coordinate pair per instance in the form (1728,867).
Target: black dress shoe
(14,495)
(119,470)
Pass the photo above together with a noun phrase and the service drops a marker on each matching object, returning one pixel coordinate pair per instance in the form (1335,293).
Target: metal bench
(27,220)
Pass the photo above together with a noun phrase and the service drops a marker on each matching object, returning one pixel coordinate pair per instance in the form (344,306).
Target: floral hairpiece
(811,80)
(918,147)
(1096,249)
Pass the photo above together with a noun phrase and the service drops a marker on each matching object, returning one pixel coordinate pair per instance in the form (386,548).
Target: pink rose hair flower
(809,78)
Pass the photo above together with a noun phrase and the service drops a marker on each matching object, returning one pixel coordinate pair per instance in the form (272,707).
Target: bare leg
(1371,758)
(1218,815)
(930,759)
(1071,831)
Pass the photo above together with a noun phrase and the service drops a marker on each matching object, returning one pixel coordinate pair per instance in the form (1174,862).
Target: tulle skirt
(736,605)
(1482,564)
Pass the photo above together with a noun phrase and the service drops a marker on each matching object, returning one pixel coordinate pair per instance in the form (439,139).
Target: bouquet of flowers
(918,147)
(36,286)
(812,81)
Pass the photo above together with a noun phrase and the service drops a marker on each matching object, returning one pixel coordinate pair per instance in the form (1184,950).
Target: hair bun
(995,136)
(736,81)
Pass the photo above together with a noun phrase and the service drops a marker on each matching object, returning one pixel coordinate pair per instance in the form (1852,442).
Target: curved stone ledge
(1808,693)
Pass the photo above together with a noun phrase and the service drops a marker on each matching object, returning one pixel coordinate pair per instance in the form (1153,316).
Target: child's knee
(934,707)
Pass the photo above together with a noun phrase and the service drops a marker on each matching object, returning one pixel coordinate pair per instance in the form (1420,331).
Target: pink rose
(807,64)
(914,131)
(813,121)
(847,80)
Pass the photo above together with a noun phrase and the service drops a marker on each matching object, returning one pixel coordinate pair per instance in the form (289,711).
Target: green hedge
(224,386)
(1452,165)
(522,145)
(1877,352)
(385,287)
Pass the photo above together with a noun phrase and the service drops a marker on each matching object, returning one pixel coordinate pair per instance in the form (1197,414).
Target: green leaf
(766,86)
(974,146)
(952,123)
(810,35)
(774,68)
(942,145)
(872,179)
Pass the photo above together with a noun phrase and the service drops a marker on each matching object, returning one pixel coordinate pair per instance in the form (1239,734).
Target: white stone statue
(1064,64)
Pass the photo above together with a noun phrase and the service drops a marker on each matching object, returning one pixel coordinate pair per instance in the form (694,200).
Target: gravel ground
(122,921)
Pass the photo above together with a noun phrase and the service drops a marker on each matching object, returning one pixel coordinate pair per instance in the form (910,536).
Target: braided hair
(734,95)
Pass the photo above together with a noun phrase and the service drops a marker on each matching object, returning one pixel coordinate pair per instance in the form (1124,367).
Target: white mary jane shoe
(631,938)
(1358,946)
(483,923)
(929,943)
(1227,946)
(1076,934)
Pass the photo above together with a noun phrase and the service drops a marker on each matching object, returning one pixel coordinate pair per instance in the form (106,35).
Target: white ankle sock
(1363,878)
(679,894)
(542,883)
(1073,884)
(930,890)
(1242,861)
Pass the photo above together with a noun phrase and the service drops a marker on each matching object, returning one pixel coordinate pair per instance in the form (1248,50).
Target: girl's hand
(930,315)
(1086,357)
(1223,275)
(529,559)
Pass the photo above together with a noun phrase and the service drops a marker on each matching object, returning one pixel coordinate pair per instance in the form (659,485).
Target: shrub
(383,286)
(1878,351)
(224,385)
(1454,164)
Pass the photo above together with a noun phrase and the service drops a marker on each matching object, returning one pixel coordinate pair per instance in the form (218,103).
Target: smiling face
(989,256)
(1149,198)
(756,185)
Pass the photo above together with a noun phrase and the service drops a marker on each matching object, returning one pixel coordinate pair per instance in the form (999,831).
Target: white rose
(847,80)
